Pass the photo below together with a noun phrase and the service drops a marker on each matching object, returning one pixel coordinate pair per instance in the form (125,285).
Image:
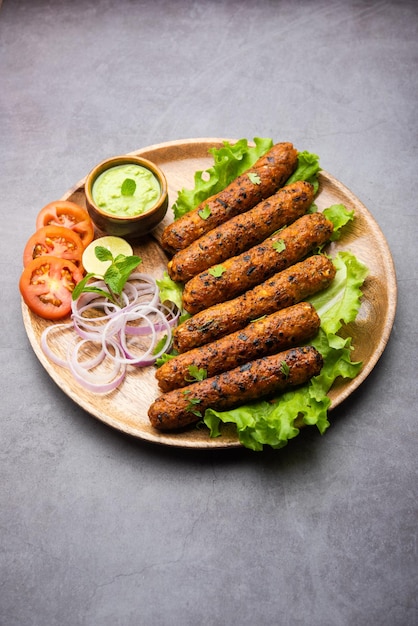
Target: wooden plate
(126,408)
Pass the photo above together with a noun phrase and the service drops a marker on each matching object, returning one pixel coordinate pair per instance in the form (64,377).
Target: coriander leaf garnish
(285,369)
(254,178)
(128,187)
(167,356)
(279,245)
(216,271)
(205,212)
(192,403)
(197,373)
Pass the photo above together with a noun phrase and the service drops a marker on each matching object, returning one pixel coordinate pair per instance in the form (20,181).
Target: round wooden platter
(126,408)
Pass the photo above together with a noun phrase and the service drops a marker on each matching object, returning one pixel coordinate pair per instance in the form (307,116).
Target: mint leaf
(127,264)
(119,271)
(128,187)
(81,286)
(103,254)
(115,276)
(113,279)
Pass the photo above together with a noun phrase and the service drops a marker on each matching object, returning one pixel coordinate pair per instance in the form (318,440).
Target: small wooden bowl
(131,227)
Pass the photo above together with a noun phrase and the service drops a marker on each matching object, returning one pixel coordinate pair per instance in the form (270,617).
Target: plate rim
(170,439)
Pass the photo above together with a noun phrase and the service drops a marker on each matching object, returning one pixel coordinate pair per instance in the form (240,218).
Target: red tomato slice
(57,241)
(70,215)
(46,285)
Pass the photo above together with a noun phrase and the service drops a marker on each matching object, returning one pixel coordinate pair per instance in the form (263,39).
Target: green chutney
(107,190)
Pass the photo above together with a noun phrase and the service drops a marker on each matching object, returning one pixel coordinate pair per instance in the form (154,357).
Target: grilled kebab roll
(289,327)
(264,178)
(243,272)
(256,379)
(242,231)
(284,289)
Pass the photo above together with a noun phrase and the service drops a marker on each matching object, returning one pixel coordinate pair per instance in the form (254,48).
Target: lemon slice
(116,245)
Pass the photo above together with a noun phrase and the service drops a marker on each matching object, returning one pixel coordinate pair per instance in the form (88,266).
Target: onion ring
(111,328)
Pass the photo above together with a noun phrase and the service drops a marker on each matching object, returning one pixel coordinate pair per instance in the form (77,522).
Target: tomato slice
(46,285)
(57,241)
(70,215)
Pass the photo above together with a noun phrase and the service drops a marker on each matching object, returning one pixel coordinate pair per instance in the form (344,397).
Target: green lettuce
(307,169)
(230,161)
(276,421)
(339,216)
(170,291)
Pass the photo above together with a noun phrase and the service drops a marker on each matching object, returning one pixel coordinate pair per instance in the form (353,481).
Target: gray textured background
(99,529)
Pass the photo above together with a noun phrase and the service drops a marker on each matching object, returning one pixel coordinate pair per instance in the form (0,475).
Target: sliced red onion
(102,383)
(119,325)
(111,329)
(53,356)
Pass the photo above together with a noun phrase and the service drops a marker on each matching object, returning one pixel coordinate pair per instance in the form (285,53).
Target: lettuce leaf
(230,161)
(307,169)
(339,216)
(340,302)
(273,423)
(170,291)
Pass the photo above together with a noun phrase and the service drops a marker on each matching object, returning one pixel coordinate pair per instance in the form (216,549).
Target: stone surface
(101,529)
